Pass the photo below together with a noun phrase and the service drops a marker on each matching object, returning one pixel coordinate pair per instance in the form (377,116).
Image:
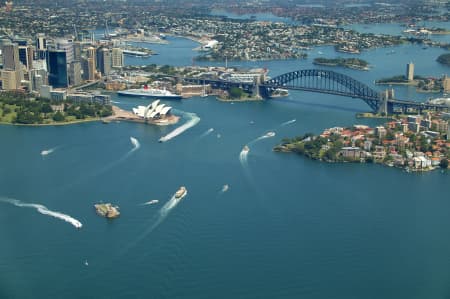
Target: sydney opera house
(154,111)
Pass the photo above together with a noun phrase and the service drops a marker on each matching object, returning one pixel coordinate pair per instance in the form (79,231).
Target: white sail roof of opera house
(153,110)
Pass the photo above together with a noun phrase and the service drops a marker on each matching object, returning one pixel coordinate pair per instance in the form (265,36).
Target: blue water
(288,227)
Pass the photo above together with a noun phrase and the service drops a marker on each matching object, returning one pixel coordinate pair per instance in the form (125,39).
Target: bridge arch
(323,81)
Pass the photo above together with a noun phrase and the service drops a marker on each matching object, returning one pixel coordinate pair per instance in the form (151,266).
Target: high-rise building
(26,56)
(38,78)
(11,66)
(67,46)
(9,80)
(104,61)
(75,73)
(91,69)
(117,58)
(77,50)
(41,46)
(57,68)
(446,83)
(410,71)
(11,59)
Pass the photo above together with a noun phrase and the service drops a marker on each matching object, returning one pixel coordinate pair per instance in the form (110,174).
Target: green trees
(58,117)
(444,59)
(444,163)
(236,93)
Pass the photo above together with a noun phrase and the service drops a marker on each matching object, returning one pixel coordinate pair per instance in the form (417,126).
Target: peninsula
(21,108)
(352,63)
(413,143)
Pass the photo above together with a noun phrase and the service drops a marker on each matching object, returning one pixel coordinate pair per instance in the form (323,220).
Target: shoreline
(53,124)
(118,115)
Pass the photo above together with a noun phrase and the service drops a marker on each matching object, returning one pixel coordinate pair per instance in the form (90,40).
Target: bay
(287,227)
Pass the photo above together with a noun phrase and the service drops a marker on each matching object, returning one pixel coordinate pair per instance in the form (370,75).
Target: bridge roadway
(323,81)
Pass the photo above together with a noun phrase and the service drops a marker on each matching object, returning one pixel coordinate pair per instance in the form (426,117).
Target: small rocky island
(413,143)
(107,210)
(352,63)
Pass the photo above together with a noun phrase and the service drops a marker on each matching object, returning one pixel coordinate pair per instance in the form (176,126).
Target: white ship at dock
(150,93)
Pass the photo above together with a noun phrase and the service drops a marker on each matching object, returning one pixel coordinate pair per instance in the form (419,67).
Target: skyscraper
(12,71)
(11,59)
(75,73)
(117,58)
(67,46)
(104,60)
(57,68)
(41,46)
(410,71)
(9,80)
(26,56)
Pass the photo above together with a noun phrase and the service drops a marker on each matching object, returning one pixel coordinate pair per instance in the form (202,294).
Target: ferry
(150,93)
(181,192)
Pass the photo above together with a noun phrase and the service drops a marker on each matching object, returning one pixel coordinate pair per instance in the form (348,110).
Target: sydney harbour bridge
(328,82)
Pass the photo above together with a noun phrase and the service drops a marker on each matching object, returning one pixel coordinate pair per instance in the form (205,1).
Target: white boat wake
(136,144)
(243,156)
(48,151)
(151,202)
(43,210)
(209,131)
(193,120)
(288,122)
(267,135)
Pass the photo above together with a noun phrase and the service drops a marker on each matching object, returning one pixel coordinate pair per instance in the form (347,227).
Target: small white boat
(86,263)
(151,202)
(246,149)
(270,134)
(225,188)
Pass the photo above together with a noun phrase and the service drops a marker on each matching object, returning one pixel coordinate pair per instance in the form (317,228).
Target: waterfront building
(57,68)
(58,95)
(153,111)
(85,97)
(75,73)
(410,71)
(117,58)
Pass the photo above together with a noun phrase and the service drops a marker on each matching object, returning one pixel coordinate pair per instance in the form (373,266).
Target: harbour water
(287,227)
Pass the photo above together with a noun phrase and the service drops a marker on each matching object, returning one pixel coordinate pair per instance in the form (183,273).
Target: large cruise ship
(150,93)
